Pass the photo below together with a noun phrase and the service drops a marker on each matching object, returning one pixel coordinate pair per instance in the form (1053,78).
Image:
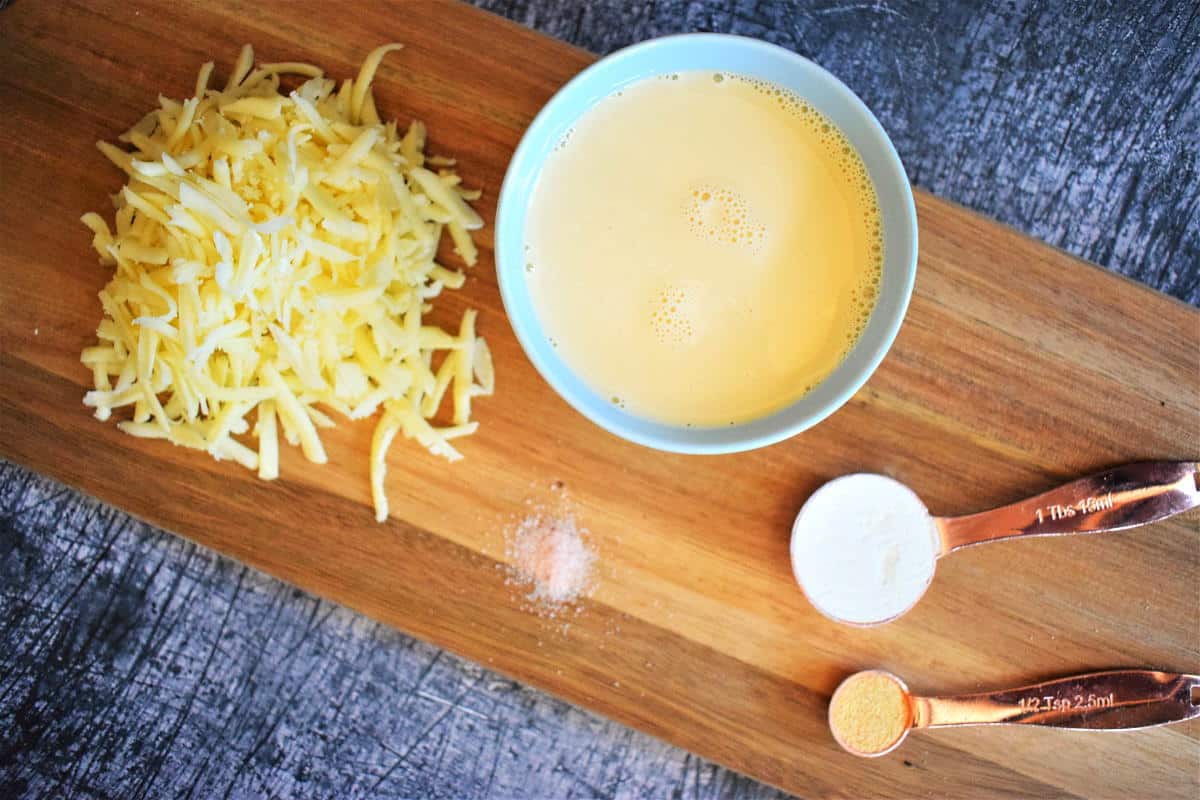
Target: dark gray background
(136,664)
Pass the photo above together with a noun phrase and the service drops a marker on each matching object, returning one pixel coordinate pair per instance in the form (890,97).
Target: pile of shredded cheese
(274,255)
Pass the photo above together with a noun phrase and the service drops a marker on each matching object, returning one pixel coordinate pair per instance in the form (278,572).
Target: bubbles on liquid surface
(721,215)
(670,316)
(839,149)
(837,146)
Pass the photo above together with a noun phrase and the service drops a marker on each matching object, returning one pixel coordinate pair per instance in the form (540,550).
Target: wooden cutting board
(1017,367)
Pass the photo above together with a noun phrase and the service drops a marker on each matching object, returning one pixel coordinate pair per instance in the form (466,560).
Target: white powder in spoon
(864,549)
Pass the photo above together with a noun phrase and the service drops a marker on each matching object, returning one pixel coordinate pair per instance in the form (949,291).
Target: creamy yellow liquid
(703,249)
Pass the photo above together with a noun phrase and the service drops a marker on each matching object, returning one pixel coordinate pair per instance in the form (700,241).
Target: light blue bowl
(741,56)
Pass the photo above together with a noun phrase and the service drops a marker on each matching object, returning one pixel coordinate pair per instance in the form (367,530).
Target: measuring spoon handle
(1115,700)
(1112,500)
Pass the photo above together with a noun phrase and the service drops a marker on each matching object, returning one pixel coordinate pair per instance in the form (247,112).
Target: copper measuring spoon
(1115,499)
(1112,500)
(1123,699)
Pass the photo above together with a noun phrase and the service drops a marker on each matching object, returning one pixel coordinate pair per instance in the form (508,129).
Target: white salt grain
(550,554)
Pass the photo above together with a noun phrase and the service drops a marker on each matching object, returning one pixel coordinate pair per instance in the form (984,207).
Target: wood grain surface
(1017,366)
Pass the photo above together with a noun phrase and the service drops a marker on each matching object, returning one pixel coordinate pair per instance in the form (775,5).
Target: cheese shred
(274,255)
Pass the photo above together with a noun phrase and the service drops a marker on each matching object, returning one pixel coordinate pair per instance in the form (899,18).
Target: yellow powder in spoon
(869,713)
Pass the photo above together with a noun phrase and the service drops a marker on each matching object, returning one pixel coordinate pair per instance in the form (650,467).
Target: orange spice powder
(869,713)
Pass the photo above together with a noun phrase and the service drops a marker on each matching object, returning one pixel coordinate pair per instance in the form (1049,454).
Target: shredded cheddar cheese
(274,255)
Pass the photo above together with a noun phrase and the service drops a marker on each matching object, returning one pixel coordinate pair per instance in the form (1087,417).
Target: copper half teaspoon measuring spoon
(864,547)
(872,712)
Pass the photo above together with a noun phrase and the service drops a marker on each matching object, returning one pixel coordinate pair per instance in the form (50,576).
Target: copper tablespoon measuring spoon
(864,547)
(872,712)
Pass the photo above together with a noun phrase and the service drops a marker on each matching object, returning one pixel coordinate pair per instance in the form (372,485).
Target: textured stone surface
(135,664)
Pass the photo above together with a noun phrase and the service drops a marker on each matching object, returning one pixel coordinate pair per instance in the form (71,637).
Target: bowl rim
(674,438)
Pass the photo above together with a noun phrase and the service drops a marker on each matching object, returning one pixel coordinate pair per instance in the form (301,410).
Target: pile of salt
(550,553)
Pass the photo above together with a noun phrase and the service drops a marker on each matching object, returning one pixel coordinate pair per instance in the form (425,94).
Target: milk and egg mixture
(703,248)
